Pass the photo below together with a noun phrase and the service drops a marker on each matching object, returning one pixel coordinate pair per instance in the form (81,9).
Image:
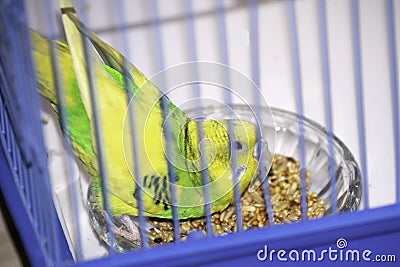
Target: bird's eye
(238,145)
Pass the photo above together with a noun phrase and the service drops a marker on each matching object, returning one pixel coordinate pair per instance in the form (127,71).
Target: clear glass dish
(281,129)
(317,158)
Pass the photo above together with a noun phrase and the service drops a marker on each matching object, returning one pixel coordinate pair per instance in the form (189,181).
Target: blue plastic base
(21,219)
(18,213)
(382,224)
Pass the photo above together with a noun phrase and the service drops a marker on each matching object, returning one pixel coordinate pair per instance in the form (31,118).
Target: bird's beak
(261,151)
(263,156)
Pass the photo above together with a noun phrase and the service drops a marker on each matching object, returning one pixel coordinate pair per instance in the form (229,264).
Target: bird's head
(227,145)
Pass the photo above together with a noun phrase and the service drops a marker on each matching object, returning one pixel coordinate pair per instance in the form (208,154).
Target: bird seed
(284,187)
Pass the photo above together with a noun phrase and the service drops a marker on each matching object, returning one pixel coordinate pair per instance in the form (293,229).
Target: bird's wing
(116,141)
(98,86)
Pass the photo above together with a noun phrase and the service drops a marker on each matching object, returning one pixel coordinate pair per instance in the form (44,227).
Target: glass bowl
(281,130)
(318,159)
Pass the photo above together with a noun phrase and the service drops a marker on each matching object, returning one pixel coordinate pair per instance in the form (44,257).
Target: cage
(329,71)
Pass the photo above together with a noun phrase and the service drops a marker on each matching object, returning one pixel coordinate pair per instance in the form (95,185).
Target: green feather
(113,74)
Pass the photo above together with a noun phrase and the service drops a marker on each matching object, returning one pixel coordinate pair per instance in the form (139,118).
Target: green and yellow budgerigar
(110,85)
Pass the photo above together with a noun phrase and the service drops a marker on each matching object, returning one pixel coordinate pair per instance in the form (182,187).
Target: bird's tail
(44,67)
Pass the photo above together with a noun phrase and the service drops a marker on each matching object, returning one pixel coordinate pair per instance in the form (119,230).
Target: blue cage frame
(25,186)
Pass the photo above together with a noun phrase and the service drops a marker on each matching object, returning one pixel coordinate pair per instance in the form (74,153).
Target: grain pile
(284,186)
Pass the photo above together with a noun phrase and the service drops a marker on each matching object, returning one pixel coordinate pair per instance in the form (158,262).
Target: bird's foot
(127,229)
